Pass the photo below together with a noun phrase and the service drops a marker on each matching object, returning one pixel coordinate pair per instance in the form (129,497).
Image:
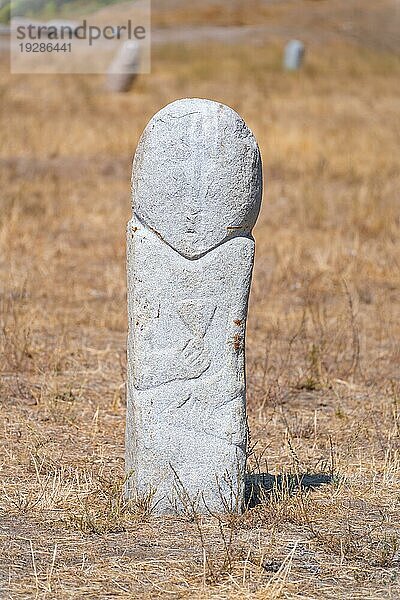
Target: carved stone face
(197,176)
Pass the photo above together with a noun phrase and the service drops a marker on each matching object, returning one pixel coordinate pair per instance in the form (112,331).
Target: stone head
(197,178)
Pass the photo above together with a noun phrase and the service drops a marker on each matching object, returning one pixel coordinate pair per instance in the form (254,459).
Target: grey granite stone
(197,188)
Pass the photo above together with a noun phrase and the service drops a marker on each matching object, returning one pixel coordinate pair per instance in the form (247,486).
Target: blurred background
(323,350)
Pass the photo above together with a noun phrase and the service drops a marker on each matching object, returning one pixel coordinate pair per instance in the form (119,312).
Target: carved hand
(193,359)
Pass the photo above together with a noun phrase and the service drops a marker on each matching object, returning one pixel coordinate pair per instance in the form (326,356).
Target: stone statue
(197,186)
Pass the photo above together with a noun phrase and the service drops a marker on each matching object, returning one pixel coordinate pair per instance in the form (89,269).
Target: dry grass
(323,336)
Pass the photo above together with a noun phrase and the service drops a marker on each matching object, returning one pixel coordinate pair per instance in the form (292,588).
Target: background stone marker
(197,186)
(124,68)
(293,56)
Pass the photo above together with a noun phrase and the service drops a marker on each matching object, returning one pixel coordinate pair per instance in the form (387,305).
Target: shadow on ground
(261,486)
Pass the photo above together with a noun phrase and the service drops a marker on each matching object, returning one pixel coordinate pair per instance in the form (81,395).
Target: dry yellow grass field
(323,334)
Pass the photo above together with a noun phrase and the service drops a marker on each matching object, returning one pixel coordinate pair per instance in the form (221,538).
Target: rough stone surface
(196,195)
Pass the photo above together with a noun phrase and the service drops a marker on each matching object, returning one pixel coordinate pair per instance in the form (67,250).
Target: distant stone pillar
(124,68)
(293,56)
(197,186)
